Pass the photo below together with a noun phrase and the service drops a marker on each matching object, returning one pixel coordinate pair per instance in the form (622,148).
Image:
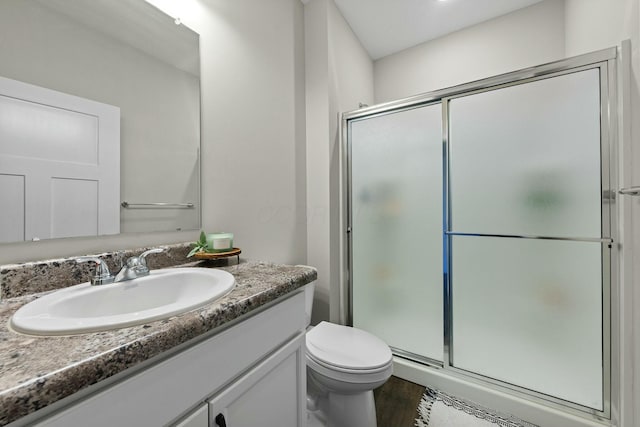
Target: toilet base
(344,410)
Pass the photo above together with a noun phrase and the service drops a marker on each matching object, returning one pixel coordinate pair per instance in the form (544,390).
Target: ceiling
(388,26)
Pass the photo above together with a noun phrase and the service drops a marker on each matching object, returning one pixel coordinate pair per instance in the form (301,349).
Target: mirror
(122,56)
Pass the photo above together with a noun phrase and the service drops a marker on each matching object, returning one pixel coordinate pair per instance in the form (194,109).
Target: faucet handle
(143,255)
(139,263)
(102,276)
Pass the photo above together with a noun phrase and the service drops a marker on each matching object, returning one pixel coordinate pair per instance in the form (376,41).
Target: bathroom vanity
(236,362)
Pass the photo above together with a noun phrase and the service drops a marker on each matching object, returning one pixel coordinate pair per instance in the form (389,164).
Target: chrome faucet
(135,267)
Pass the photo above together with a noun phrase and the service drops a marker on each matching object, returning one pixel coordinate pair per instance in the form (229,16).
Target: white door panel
(74,207)
(67,149)
(12,197)
(48,132)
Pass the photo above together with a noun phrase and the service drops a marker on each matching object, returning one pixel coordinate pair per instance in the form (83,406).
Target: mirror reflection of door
(59,164)
(124,53)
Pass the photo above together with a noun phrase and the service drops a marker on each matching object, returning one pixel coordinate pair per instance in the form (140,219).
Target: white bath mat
(438,409)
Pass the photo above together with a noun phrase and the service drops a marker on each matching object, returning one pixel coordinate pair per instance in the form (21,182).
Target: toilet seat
(366,380)
(347,371)
(347,350)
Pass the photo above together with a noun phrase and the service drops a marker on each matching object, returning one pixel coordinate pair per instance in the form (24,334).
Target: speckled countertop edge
(38,371)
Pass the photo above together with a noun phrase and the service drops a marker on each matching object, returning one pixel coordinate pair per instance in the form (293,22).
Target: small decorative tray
(218,255)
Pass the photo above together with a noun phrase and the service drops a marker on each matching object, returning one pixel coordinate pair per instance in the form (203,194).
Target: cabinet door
(198,418)
(270,395)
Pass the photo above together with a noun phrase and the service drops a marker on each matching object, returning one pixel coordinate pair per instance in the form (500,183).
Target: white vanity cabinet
(253,373)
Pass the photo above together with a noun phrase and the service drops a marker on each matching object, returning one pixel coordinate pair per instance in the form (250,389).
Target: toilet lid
(346,347)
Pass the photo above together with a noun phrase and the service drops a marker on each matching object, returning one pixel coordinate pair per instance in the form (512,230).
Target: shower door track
(605,61)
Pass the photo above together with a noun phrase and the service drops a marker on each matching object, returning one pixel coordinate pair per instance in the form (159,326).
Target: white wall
(253,116)
(253,134)
(521,39)
(596,24)
(318,153)
(339,76)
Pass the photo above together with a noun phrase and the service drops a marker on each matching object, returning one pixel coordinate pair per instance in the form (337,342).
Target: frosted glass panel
(529,312)
(396,165)
(525,160)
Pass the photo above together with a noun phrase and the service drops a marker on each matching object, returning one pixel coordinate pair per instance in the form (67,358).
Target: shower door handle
(630,191)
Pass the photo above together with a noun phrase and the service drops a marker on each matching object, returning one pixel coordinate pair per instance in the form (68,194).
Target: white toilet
(344,365)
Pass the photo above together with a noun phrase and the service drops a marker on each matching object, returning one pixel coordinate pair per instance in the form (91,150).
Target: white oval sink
(84,308)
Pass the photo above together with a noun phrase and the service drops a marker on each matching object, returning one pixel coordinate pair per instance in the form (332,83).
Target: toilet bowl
(344,365)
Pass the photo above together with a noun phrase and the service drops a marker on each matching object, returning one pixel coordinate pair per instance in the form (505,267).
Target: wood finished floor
(396,403)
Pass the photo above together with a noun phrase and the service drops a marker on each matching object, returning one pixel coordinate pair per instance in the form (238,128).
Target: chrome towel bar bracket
(630,191)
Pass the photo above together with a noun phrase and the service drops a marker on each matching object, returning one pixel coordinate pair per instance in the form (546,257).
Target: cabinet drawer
(161,393)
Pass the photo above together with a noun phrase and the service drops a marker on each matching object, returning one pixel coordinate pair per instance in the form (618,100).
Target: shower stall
(479,230)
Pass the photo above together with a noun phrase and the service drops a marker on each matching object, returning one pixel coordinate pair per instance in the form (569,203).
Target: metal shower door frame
(606,62)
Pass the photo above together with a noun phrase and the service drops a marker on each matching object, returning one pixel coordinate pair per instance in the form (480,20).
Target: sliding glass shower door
(396,185)
(480,229)
(526,235)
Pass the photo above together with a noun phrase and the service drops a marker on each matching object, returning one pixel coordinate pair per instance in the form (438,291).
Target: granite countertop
(38,371)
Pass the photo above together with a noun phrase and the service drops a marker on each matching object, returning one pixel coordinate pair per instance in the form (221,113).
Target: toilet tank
(308,306)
